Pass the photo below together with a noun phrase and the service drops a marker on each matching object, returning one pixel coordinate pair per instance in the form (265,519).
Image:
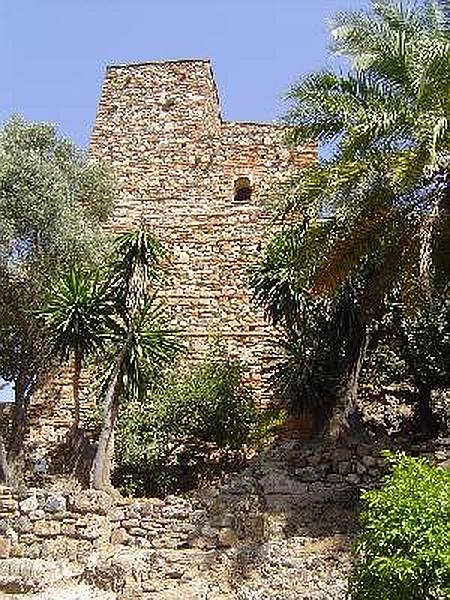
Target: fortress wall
(159,126)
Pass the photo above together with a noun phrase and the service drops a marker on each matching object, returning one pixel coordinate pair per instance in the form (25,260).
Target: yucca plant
(141,341)
(80,317)
(115,312)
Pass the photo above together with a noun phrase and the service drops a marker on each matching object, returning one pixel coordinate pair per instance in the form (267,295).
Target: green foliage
(163,443)
(424,343)
(403,552)
(386,184)
(135,264)
(414,351)
(79,313)
(53,202)
(383,366)
(92,313)
(152,345)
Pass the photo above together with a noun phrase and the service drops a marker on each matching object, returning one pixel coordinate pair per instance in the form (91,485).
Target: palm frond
(346,254)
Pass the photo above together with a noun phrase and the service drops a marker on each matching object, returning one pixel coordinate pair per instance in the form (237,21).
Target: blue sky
(54,51)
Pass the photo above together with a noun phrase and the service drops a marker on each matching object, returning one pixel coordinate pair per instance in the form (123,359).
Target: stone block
(92,526)
(369,461)
(68,529)
(55,504)
(32,550)
(345,468)
(29,505)
(227,538)
(23,524)
(37,515)
(46,528)
(119,536)
(5,547)
(277,482)
(116,514)
(91,501)
(17,551)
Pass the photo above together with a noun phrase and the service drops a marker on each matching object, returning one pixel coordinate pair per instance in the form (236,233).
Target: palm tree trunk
(424,416)
(76,387)
(347,394)
(103,461)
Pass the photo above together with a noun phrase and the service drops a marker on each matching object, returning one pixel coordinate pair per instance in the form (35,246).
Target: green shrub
(164,444)
(403,552)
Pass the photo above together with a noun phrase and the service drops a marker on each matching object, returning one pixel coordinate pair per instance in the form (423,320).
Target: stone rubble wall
(159,127)
(301,500)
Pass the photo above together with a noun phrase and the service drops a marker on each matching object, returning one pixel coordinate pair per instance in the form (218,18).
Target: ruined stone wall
(159,126)
(283,528)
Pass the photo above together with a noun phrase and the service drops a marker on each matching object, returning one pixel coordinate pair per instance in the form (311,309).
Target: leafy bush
(403,552)
(165,443)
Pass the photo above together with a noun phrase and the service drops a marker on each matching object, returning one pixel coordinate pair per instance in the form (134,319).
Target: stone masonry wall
(159,126)
(280,530)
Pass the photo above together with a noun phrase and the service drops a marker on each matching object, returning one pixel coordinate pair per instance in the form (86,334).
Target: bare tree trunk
(103,461)
(4,467)
(76,387)
(347,393)
(425,418)
(16,450)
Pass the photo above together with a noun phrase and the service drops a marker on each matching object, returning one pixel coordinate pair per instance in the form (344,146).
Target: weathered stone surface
(116,514)
(345,467)
(23,524)
(93,526)
(19,575)
(121,572)
(119,536)
(227,538)
(278,482)
(29,504)
(7,504)
(47,528)
(91,501)
(5,547)
(369,461)
(55,504)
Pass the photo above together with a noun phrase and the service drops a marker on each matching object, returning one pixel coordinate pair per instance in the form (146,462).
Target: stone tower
(197,181)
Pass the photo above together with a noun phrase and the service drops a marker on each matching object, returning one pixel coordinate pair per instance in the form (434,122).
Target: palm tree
(375,214)
(387,183)
(140,341)
(79,317)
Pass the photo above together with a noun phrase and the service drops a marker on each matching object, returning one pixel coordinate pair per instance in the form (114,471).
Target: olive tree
(53,201)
